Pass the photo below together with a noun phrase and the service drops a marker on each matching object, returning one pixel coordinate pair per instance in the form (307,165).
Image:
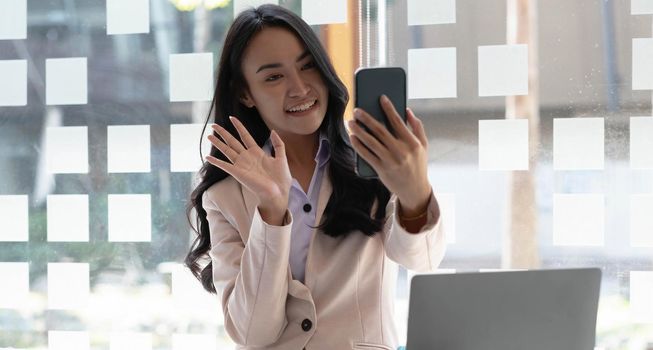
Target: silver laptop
(512,310)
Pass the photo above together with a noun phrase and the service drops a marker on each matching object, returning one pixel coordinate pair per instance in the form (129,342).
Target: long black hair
(352,198)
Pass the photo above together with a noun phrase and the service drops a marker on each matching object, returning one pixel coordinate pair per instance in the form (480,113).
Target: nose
(297,86)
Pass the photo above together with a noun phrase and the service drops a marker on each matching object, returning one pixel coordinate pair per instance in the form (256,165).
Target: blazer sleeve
(422,251)
(250,277)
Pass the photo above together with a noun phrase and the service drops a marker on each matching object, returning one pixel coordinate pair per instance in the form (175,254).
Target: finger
(235,172)
(222,147)
(244,134)
(400,128)
(368,140)
(369,157)
(279,146)
(229,139)
(379,130)
(227,167)
(417,126)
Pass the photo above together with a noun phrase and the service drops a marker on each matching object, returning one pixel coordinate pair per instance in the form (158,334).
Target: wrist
(412,215)
(273,217)
(416,206)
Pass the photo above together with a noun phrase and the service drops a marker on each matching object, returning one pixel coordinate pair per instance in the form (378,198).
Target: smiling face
(284,83)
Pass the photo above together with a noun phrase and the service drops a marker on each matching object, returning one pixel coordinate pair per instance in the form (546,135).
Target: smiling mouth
(302,108)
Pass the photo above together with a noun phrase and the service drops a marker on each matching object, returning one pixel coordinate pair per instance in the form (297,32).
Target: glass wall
(540,135)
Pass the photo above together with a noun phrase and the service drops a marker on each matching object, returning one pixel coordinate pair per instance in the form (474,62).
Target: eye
(309,65)
(273,77)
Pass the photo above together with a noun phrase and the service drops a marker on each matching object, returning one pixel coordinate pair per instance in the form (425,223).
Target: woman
(302,251)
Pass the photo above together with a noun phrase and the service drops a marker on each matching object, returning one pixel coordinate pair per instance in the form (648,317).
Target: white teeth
(303,107)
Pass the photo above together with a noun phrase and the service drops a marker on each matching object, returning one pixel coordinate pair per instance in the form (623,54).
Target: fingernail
(384,98)
(357,113)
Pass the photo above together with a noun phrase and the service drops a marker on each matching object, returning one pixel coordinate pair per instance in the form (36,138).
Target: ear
(246,100)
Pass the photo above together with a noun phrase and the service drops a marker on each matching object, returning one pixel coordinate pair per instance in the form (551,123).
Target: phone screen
(370,84)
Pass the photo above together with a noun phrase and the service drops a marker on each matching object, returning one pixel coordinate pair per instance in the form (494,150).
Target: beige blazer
(347,299)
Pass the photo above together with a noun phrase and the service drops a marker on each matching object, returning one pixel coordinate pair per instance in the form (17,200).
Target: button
(307,207)
(306,325)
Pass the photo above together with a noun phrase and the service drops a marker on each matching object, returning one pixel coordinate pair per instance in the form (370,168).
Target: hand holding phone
(370,84)
(397,146)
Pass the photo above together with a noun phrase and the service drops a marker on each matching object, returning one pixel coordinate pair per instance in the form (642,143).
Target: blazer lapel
(325,194)
(298,289)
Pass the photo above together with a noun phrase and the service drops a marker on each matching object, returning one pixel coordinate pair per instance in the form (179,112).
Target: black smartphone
(370,84)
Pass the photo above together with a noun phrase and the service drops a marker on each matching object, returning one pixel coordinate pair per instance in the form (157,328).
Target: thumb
(279,146)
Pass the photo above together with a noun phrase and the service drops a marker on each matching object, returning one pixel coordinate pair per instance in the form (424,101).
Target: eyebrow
(277,65)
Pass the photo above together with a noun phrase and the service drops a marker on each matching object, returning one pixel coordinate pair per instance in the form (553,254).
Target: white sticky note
(128,149)
(641,220)
(188,293)
(578,143)
(432,73)
(128,16)
(13,19)
(14,218)
(185,147)
(68,285)
(641,7)
(447,204)
(503,144)
(503,70)
(66,81)
(67,340)
(191,77)
(68,218)
(421,12)
(642,68)
(130,340)
(240,5)
(194,341)
(641,142)
(15,284)
(578,219)
(13,86)
(66,150)
(641,295)
(324,12)
(130,218)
